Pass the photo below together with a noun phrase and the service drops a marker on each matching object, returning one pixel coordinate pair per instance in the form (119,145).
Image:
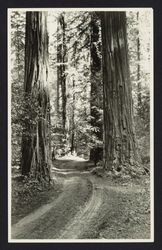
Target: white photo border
(10,240)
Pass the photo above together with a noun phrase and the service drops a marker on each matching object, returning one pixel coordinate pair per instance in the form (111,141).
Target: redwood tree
(138,71)
(61,60)
(36,135)
(119,140)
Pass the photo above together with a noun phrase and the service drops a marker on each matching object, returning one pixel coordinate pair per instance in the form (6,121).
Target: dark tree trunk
(96,83)
(73,121)
(119,141)
(138,72)
(61,60)
(36,151)
(58,67)
(18,55)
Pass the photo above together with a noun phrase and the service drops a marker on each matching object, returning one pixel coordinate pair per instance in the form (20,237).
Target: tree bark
(58,67)
(119,140)
(73,148)
(138,71)
(36,149)
(61,60)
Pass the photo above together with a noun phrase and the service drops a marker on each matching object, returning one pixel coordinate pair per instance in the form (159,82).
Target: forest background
(76,62)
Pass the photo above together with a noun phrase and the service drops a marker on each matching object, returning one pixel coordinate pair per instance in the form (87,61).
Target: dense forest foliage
(80,84)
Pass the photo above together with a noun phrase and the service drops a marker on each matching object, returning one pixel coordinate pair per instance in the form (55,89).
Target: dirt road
(79,201)
(86,207)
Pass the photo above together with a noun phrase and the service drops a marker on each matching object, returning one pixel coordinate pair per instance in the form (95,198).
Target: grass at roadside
(125,212)
(30,195)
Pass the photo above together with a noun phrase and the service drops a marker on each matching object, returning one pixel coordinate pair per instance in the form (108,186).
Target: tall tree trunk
(18,55)
(119,140)
(36,151)
(61,60)
(58,66)
(138,71)
(96,85)
(73,121)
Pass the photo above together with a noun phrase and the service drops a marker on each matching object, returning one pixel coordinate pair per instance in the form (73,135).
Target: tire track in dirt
(72,214)
(47,221)
(86,217)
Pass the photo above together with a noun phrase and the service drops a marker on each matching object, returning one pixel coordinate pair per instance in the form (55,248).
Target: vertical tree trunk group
(119,140)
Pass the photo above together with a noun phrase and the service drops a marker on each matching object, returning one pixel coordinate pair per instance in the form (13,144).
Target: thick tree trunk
(96,84)
(36,154)
(119,141)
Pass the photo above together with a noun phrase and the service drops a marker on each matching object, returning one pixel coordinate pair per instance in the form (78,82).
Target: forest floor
(82,206)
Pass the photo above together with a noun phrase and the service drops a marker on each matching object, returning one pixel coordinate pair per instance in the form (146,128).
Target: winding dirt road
(69,216)
(88,207)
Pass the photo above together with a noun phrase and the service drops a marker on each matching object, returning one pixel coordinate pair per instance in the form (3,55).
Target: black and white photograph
(80,125)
